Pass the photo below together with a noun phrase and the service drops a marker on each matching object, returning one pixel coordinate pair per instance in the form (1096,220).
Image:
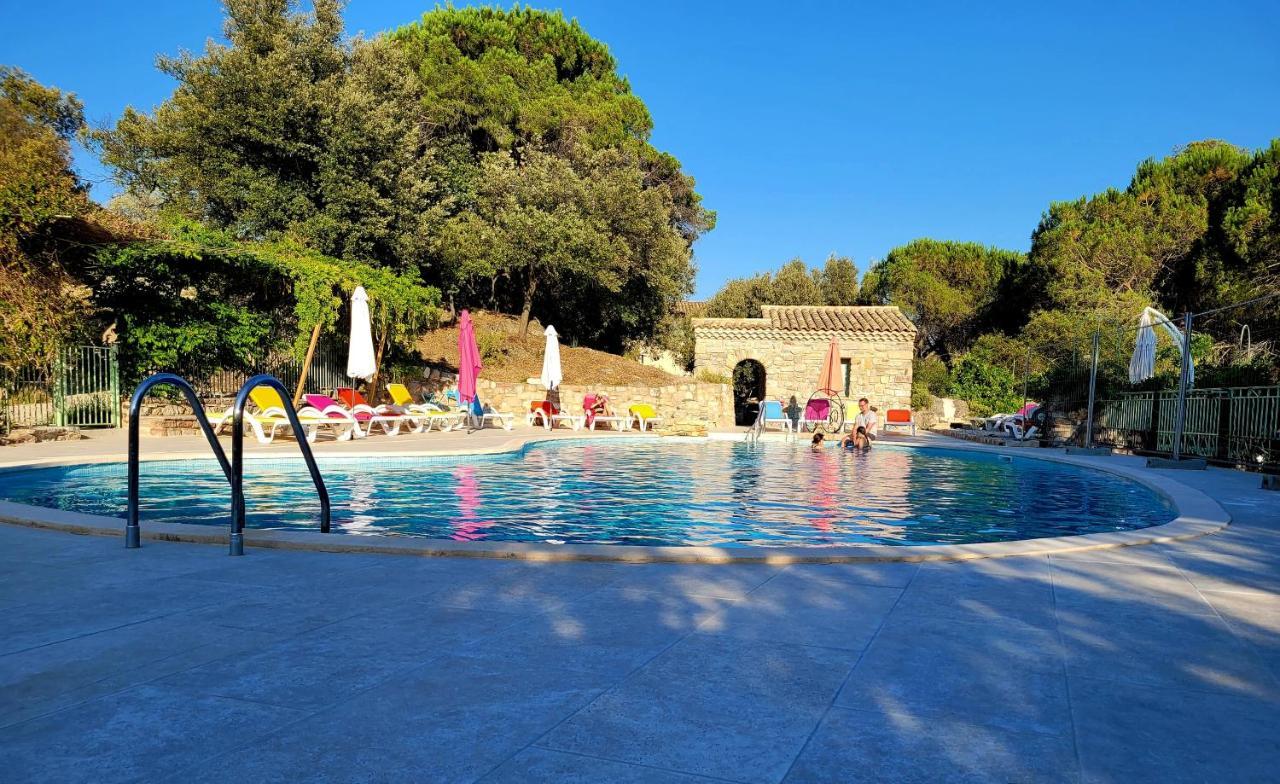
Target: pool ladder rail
(233,470)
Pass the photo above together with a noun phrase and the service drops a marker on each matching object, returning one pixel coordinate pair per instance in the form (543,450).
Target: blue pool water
(638,492)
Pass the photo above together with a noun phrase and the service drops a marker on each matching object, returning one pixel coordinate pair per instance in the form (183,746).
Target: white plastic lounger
(266,424)
(433,415)
(504,420)
(644,415)
(364,414)
(539,416)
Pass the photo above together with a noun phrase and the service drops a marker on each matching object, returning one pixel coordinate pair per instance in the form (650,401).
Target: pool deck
(175,662)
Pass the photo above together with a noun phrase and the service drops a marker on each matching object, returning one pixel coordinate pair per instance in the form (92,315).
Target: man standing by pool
(866,418)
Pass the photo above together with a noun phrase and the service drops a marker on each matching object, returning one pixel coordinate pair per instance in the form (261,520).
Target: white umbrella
(551,375)
(360,359)
(1142,365)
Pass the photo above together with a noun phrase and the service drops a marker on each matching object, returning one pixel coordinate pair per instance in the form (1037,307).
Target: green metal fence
(327,373)
(80,389)
(1235,424)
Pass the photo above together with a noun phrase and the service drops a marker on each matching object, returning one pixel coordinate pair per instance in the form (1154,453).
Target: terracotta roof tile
(836,318)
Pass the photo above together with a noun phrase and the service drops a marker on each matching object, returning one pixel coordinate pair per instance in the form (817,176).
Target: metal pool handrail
(132,533)
(236,473)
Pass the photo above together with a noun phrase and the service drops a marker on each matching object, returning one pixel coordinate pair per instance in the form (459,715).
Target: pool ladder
(233,470)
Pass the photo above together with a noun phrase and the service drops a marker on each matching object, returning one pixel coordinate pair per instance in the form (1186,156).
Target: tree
(584,236)
(793,284)
(39,196)
(948,289)
(287,130)
(192,300)
(390,150)
(532,86)
(838,281)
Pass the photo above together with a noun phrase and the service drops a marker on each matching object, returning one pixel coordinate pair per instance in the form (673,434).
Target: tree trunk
(306,365)
(377,367)
(530,286)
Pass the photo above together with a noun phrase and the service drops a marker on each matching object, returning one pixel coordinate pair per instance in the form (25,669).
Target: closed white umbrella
(551,375)
(1142,365)
(360,359)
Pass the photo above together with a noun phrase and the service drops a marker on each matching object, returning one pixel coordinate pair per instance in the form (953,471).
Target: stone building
(782,352)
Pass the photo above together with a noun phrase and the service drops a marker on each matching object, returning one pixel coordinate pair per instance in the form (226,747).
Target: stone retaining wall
(683,401)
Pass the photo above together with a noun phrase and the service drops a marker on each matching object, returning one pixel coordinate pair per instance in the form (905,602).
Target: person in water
(866,421)
(817,442)
(857,439)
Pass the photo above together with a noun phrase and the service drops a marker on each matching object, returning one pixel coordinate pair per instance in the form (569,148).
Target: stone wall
(684,401)
(880,367)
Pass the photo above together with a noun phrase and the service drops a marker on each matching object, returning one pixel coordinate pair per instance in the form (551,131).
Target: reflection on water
(637,492)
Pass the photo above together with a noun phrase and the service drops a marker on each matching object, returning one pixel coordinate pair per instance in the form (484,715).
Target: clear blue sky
(822,127)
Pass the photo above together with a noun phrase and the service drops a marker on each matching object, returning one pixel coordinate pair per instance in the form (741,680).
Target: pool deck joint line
(1197,515)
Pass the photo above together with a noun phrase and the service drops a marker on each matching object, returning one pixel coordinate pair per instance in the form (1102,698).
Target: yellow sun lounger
(434,415)
(643,415)
(271,414)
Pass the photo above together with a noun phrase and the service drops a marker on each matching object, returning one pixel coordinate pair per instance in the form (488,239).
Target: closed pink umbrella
(469,366)
(830,379)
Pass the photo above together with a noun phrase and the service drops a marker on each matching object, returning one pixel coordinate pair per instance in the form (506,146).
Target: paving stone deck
(177,663)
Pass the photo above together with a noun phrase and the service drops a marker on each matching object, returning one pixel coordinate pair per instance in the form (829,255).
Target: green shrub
(988,388)
(708,377)
(492,345)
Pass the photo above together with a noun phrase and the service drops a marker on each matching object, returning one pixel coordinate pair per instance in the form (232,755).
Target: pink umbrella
(469,366)
(830,378)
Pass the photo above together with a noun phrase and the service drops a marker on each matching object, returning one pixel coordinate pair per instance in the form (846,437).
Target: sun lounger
(816,412)
(270,419)
(505,421)
(644,415)
(435,415)
(771,414)
(593,418)
(545,414)
(389,419)
(899,417)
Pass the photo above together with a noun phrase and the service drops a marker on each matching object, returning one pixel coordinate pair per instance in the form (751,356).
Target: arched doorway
(748,391)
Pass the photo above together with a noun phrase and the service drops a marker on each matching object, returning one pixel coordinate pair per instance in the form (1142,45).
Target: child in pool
(818,441)
(857,439)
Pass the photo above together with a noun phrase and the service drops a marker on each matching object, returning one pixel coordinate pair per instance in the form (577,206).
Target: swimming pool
(637,492)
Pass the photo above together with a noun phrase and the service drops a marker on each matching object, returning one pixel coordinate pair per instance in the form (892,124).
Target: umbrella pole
(306,364)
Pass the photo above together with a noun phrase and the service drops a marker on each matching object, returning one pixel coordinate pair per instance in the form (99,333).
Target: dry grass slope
(510,356)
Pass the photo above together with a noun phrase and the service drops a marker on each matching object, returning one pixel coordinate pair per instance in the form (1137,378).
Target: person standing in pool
(866,420)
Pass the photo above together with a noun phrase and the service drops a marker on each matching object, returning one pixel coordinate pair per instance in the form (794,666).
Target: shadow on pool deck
(174,662)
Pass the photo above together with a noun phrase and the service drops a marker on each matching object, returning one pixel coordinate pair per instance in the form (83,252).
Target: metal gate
(81,389)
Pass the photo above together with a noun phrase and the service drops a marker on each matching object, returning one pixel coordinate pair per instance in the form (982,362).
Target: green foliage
(793,284)
(492,346)
(930,378)
(989,388)
(38,194)
(437,150)
(505,79)
(288,130)
(949,289)
(198,299)
(709,377)
(838,281)
(582,236)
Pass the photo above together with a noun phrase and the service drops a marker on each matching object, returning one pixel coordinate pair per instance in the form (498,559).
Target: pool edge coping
(1196,515)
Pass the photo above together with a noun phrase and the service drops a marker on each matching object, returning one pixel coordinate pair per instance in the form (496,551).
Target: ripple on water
(639,492)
